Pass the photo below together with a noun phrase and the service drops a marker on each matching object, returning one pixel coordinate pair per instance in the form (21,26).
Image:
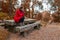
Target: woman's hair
(21,8)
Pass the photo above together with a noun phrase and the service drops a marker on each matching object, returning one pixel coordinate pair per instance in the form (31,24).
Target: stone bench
(1,24)
(28,27)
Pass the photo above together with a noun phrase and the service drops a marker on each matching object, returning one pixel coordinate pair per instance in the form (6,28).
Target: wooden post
(33,9)
(10,8)
(0,5)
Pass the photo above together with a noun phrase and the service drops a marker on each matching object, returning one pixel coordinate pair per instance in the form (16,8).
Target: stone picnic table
(10,24)
(30,24)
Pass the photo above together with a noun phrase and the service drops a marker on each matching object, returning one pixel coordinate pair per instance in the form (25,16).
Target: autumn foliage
(5,16)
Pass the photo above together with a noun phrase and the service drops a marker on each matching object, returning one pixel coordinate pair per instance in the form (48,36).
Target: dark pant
(21,21)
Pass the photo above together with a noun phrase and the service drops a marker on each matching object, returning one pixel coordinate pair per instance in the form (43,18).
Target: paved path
(50,32)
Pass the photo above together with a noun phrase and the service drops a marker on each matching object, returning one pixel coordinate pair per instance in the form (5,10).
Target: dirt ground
(50,32)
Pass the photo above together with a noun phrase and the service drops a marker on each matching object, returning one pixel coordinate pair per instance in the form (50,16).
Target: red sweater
(18,15)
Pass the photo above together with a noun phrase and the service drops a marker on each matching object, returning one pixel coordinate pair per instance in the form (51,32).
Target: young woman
(19,16)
